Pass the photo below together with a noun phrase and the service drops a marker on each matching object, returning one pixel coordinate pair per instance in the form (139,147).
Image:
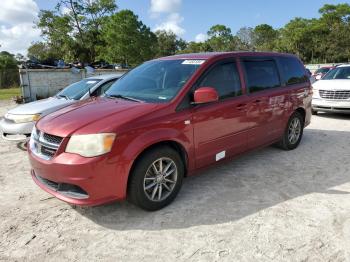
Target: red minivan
(166,119)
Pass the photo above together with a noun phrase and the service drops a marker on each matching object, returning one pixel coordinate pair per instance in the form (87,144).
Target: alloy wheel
(160,179)
(294,130)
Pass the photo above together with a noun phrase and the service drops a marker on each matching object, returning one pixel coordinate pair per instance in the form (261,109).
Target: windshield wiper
(64,96)
(125,98)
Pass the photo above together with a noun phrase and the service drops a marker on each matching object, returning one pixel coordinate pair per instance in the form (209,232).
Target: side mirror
(205,95)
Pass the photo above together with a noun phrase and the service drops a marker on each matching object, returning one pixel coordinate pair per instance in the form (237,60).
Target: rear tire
(293,133)
(314,112)
(156,178)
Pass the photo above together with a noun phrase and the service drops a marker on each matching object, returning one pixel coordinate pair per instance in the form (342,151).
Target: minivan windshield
(79,89)
(338,73)
(156,81)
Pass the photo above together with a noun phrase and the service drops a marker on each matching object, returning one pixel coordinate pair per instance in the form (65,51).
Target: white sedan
(18,122)
(332,92)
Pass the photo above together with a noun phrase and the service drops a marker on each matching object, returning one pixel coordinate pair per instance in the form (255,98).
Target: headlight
(22,118)
(91,145)
(316,93)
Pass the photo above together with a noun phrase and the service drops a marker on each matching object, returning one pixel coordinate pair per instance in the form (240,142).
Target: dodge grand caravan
(165,119)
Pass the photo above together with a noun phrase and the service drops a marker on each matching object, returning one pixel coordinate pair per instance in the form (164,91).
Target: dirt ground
(268,205)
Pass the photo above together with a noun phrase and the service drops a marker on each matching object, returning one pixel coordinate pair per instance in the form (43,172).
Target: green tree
(194,47)
(326,39)
(42,51)
(128,40)
(264,37)
(8,70)
(73,27)
(220,38)
(168,43)
(245,37)
(336,21)
(295,38)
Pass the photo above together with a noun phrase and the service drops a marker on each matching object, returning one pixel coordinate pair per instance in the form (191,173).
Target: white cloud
(18,11)
(167,12)
(165,6)
(17,38)
(172,23)
(16,25)
(201,38)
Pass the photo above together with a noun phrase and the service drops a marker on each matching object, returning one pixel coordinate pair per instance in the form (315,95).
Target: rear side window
(261,75)
(225,79)
(292,70)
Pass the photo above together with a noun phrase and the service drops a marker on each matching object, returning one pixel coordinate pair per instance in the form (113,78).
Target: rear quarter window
(292,70)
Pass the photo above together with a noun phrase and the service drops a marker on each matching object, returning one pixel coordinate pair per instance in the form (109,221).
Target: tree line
(89,31)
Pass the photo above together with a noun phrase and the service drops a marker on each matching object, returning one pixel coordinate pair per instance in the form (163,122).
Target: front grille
(335,94)
(44,145)
(52,139)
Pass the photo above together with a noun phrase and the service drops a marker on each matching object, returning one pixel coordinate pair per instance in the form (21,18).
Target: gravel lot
(268,205)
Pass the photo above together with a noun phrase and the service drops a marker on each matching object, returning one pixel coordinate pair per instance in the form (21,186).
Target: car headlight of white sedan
(316,93)
(22,118)
(90,145)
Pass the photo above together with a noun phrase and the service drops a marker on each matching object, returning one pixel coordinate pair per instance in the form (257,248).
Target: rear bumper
(77,180)
(331,106)
(10,128)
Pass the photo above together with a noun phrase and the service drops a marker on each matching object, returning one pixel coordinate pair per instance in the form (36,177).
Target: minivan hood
(41,106)
(95,115)
(336,84)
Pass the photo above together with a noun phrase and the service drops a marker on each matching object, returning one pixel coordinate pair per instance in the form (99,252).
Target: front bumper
(78,180)
(335,106)
(9,128)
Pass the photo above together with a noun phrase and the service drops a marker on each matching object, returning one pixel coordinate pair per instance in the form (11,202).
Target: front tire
(293,133)
(314,112)
(156,178)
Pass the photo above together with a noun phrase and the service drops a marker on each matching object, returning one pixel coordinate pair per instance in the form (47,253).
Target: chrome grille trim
(335,94)
(44,145)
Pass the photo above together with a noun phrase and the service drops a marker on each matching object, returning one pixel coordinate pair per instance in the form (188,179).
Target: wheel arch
(302,111)
(177,146)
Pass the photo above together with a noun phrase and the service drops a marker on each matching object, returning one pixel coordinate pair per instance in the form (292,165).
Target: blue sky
(190,19)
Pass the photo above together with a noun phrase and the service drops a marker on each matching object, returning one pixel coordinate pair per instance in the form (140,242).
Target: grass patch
(8,93)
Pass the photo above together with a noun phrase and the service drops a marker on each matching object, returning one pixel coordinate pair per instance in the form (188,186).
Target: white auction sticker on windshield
(193,62)
(91,82)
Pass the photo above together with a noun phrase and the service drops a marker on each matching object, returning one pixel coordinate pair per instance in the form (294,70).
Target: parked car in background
(310,75)
(18,122)
(332,92)
(319,73)
(164,120)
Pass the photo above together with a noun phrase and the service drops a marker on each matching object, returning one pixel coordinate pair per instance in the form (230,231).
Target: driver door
(220,128)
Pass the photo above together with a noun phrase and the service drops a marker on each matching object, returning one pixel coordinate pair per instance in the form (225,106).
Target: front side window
(155,81)
(338,73)
(225,79)
(79,89)
(261,75)
(292,70)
